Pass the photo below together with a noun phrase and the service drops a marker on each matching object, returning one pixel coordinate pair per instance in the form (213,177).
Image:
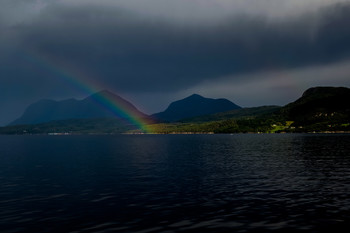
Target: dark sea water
(175,183)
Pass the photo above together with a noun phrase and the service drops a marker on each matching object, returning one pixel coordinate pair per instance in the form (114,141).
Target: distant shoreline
(179,133)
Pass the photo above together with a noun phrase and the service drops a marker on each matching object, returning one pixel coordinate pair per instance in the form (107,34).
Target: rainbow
(85,83)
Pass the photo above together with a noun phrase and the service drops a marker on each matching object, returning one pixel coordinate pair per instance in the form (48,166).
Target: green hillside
(236,114)
(320,109)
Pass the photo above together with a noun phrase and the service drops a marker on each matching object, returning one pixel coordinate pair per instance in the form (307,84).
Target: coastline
(175,133)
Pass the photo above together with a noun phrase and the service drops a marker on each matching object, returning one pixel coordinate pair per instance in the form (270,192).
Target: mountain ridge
(319,109)
(192,106)
(46,110)
(319,104)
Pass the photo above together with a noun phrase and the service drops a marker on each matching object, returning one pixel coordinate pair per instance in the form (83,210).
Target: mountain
(319,109)
(319,104)
(103,104)
(194,105)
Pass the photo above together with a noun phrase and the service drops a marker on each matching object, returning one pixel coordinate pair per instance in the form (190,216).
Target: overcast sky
(152,52)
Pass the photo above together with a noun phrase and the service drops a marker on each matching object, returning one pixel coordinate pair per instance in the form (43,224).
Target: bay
(175,183)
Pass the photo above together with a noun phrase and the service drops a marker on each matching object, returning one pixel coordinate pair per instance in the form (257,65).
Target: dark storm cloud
(136,52)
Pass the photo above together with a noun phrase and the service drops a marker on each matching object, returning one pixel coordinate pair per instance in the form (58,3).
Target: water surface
(175,183)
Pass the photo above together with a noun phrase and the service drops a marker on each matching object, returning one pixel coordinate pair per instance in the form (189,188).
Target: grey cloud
(136,52)
(142,52)
(208,10)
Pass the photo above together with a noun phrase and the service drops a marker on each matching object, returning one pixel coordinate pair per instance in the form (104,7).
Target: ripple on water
(175,183)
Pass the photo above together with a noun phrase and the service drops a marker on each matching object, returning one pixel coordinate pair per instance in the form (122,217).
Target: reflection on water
(175,183)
